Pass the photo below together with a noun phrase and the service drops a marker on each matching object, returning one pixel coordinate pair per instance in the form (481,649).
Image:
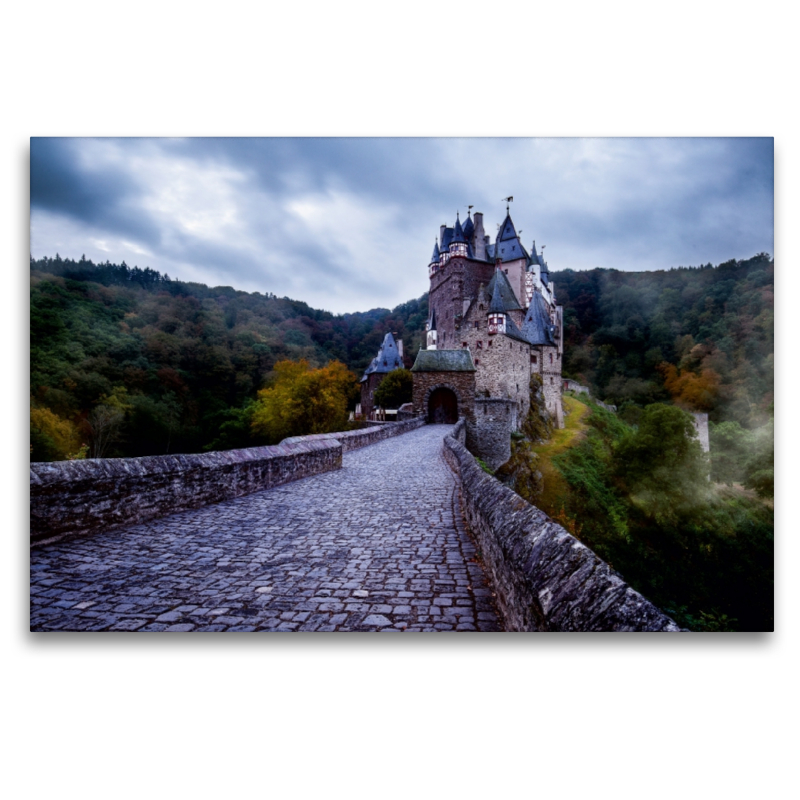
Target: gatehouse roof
(444,361)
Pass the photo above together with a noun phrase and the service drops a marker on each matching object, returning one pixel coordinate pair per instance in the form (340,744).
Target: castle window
(533,359)
(479,345)
(463,344)
(551,358)
(477,324)
(477,361)
(490,342)
(480,307)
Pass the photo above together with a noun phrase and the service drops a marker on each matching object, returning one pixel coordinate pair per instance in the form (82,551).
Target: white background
(113,716)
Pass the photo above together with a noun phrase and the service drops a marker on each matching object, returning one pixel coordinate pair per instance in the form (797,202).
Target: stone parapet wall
(76,497)
(545,579)
(352,440)
(489,433)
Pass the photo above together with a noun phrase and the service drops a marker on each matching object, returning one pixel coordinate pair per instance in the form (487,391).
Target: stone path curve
(379,545)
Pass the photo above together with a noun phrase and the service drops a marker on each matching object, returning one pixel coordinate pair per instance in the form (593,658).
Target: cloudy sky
(349,224)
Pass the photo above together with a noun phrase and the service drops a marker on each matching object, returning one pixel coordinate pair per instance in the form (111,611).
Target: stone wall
(77,497)
(461,383)
(503,364)
(71,497)
(545,579)
(488,436)
(352,440)
(701,426)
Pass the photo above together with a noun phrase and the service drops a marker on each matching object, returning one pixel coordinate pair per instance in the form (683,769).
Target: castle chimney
(480,237)
(441,235)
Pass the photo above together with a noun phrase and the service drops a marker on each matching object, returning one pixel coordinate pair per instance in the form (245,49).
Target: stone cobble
(379,545)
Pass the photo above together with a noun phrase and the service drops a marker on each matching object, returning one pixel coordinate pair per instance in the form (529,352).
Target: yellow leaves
(57,435)
(302,400)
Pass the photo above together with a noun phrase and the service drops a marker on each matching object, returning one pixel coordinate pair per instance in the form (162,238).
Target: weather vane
(469,210)
(508,200)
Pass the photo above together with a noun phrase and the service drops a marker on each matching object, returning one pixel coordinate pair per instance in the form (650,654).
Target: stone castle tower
(496,301)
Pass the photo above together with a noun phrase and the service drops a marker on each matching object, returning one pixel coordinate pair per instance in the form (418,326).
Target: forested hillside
(701,337)
(182,362)
(178,361)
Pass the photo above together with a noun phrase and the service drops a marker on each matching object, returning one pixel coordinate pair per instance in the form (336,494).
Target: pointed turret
(469,229)
(388,358)
(458,244)
(510,300)
(431,331)
(507,230)
(435,256)
(538,328)
(507,244)
(497,313)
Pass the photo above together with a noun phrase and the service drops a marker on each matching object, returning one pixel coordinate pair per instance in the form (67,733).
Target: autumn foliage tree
(302,400)
(690,389)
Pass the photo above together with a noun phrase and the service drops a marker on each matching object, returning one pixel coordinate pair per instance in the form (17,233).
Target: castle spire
(458,244)
(497,310)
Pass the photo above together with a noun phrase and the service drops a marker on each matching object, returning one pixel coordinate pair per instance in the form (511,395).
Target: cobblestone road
(379,545)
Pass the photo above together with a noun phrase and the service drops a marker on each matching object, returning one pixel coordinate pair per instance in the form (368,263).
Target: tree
(53,438)
(395,389)
(730,445)
(759,469)
(661,465)
(302,400)
(104,423)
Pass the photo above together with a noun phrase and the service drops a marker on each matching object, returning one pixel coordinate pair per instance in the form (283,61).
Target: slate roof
(469,228)
(513,332)
(388,358)
(458,232)
(507,230)
(507,293)
(444,361)
(435,256)
(432,320)
(447,238)
(537,327)
(497,306)
(507,246)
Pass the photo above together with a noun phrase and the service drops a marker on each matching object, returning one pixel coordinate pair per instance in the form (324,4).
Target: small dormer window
(385,364)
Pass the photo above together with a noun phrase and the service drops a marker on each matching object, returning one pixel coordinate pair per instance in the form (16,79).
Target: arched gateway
(443,406)
(444,385)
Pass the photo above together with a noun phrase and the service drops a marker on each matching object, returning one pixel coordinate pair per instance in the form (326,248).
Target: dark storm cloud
(349,223)
(63,184)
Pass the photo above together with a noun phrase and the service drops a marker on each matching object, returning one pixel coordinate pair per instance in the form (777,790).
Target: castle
(493,324)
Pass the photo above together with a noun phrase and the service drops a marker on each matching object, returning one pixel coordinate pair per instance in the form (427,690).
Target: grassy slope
(555,486)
